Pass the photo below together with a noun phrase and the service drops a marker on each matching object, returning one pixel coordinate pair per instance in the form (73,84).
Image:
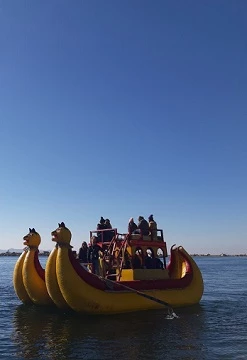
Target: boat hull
(85,292)
(34,279)
(52,283)
(19,286)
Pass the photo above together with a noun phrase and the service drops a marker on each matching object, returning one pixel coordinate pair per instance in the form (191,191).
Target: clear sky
(124,108)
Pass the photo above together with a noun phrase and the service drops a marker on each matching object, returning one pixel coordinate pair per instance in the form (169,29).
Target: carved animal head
(32,238)
(61,234)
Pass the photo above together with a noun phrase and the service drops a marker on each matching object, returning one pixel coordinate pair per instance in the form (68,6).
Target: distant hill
(11,250)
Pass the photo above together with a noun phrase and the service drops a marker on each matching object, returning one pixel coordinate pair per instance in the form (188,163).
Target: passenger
(152,227)
(149,263)
(158,264)
(83,252)
(136,263)
(101,226)
(127,262)
(108,224)
(131,226)
(93,255)
(143,227)
(107,235)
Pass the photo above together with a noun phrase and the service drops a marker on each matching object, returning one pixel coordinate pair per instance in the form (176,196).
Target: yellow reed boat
(29,276)
(130,266)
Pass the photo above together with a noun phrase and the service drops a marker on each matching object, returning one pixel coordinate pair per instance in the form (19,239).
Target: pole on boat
(110,283)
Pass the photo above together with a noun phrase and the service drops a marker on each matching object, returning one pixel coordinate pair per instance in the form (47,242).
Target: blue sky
(120,109)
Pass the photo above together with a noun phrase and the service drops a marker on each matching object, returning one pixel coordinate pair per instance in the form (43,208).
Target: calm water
(215,329)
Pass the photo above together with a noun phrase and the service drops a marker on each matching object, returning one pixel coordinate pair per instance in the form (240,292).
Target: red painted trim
(38,267)
(88,277)
(171,265)
(160,244)
(140,285)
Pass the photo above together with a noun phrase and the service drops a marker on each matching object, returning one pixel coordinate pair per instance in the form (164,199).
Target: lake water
(215,329)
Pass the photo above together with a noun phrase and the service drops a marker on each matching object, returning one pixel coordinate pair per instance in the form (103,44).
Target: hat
(140,218)
(102,220)
(131,220)
(150,218)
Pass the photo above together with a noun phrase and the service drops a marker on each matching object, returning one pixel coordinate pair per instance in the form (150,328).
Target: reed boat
(130,265)
(29,276)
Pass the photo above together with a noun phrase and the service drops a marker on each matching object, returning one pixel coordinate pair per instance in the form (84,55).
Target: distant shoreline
(219,255)
(47,253)
(9,253)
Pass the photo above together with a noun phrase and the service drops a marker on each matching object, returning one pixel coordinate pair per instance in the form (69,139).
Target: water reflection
(46,333)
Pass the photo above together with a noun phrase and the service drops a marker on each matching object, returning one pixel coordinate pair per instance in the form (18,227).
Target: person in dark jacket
(108,224)
(131,226)
(108,235)
(93,255)
(158,264)
(143,227)
(83,252)
(101,226)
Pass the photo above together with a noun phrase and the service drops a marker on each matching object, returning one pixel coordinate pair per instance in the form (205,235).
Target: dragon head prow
(32,238)
(61,235)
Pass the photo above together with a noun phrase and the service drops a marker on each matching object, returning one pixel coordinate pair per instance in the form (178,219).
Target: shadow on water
(48,333)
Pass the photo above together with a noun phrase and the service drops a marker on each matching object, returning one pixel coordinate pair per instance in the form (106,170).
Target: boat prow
(29,276)
(19,287)
(51,281)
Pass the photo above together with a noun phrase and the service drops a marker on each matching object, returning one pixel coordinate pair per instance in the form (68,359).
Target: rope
(110,284)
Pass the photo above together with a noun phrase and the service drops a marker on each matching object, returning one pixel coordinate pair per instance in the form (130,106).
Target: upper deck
(131,253)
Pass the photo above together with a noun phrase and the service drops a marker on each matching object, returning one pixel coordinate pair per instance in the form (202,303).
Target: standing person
(83,252)
(101,226)
(108,235)
(152,228)
(93,255)
(143,227)
(131,226)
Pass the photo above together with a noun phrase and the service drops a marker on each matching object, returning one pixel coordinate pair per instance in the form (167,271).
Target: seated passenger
(108,235)
(158,264)
(83,252)
(136,262)
(131,226)
(143,227)
(152,227)
(107,224)
(127,262)
(149,262)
